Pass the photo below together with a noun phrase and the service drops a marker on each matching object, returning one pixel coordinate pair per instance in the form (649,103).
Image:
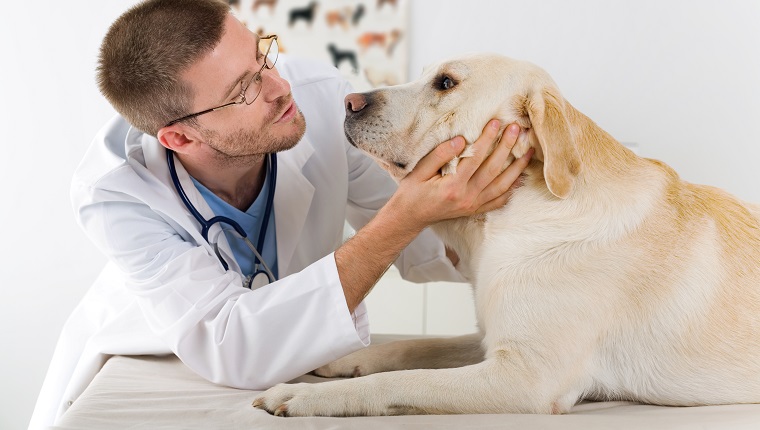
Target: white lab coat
(164,291)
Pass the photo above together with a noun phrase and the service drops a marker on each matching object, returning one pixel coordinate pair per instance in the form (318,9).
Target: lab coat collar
(154,156)
(292,199)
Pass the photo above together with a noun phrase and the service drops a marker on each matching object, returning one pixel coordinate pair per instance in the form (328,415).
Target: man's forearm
(424,197)
(363,259)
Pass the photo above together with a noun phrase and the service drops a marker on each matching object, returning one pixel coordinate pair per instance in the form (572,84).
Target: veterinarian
(155,177)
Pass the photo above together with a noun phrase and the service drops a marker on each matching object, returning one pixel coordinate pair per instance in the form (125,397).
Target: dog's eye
(444,83)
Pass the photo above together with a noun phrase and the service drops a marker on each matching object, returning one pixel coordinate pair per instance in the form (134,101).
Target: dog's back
(650,283)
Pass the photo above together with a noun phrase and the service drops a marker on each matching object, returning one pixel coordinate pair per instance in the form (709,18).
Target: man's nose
(274,85)
(355,103)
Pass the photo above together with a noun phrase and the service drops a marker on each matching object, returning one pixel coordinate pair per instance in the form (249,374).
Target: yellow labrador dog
(604,277)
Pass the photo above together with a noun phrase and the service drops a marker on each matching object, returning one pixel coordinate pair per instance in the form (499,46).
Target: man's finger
(494,164)
(479,149)
(498,189)
(438,157)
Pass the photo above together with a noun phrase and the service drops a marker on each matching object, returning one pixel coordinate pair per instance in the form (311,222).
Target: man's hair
(145,51)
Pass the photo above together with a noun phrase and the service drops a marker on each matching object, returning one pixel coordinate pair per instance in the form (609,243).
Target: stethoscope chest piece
(258,280)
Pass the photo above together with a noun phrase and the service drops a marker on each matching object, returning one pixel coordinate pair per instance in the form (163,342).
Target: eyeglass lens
(272,50)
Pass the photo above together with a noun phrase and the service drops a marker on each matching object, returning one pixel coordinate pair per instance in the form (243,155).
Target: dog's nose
(355,102)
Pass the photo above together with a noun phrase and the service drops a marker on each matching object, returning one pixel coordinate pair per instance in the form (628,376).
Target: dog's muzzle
(355,104)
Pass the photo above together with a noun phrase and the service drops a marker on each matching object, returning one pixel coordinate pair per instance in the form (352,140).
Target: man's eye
(444,83)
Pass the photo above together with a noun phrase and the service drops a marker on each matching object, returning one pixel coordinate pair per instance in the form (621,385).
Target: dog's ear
(562,162)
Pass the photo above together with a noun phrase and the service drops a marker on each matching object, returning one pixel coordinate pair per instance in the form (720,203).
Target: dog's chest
(527,260)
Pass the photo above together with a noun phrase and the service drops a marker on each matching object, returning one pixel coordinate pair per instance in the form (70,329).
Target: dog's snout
(355,102)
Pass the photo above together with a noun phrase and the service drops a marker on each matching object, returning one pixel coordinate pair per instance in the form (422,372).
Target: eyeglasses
(250,91)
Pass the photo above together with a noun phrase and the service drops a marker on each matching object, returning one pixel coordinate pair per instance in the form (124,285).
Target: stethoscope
(259,266)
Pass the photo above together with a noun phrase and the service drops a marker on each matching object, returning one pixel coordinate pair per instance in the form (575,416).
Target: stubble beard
(245,146)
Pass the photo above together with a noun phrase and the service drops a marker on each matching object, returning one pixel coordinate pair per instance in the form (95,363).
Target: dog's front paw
(289,400)
(304,400)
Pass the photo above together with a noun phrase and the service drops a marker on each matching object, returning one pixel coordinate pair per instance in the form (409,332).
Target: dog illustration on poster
(364,39)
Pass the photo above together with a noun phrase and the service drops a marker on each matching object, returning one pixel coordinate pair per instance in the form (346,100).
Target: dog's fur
(604,277)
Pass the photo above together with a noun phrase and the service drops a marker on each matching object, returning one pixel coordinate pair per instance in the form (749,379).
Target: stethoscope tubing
(207,224)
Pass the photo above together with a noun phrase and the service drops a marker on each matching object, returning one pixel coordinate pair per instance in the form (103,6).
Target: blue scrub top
(251,221)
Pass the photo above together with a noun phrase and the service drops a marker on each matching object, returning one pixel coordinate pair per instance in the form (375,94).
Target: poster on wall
(366,40)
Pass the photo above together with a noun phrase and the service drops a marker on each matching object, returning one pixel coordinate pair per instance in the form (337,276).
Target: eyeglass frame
(241,98)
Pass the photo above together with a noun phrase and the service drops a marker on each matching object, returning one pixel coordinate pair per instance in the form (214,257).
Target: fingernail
(529,154)
(457,141)
(513,129)
(495,124)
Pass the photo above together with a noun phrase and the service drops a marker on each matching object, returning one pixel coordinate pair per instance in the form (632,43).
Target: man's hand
(479,185)
(425,197)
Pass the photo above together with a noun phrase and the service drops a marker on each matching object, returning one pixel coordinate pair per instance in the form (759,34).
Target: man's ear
(177,137)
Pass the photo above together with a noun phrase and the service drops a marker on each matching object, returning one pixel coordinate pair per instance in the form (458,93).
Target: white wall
(49,111)
(677,77)
(680,78)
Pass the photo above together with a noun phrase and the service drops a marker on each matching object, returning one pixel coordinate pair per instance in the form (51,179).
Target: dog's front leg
(433,353)
(492,386)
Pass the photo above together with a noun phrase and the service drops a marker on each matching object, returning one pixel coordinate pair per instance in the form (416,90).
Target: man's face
(271,123)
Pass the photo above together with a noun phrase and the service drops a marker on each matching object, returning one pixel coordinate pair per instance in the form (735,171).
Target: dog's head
(401,124)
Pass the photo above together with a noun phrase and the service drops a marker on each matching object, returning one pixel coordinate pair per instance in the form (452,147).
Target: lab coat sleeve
(224,332)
